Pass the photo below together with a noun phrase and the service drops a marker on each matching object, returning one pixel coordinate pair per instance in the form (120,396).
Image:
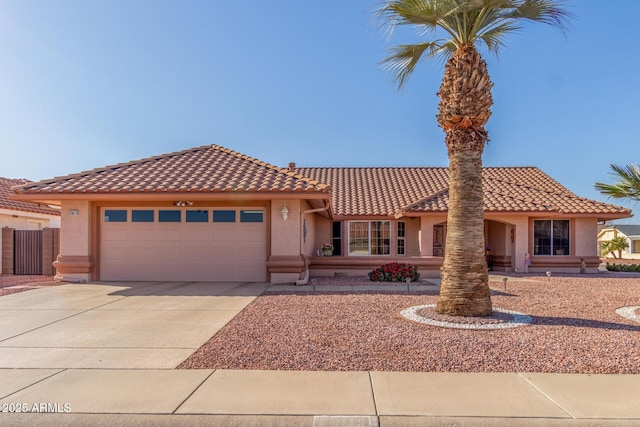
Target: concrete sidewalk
(322,399)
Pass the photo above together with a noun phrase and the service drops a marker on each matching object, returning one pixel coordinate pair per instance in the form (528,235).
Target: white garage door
(216,244)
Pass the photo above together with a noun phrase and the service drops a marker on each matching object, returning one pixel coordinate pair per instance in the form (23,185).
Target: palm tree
(627,185)
(617,244)
(464,108)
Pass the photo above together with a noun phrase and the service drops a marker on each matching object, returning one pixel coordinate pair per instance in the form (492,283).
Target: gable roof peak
(210,168)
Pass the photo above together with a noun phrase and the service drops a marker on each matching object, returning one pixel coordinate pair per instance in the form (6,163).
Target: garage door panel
(253,253)
(170,233)
(128,250)
(227,252)
(196,254)
(227,274)
(224,234)
(196,271)
(146,235)
(195,234)
(141,250)
(183,251)
(251,232)
(166,252)
(117,234)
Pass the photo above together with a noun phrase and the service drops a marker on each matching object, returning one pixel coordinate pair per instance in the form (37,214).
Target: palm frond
(550,12)
(495,37)
(627,185)
(415,12)
(404,58)
(465,22)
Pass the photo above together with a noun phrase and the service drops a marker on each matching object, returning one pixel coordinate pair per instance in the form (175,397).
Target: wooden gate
(27,251)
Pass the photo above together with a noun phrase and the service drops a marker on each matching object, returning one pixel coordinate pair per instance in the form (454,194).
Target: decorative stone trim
(630,313)
(516,319)
(286,264)
(73,264)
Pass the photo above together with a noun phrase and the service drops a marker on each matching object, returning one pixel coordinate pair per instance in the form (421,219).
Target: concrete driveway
(134,325)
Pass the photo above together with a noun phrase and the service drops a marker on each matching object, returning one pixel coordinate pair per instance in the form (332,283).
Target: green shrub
(628,268)
(395,272)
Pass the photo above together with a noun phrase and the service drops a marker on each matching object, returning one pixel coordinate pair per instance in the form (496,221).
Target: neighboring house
(629,232)
(212,214)
(20,215)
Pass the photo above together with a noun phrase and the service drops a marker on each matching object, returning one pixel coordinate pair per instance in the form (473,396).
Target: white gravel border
(519,319)
(629,312)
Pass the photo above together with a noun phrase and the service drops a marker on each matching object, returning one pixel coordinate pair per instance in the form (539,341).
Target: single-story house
(630,232)
(21,215)
(213,214)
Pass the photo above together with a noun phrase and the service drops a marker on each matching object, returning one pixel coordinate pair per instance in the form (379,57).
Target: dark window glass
(359,238)
(542,237)
(337,238)
(551,237)
(401,229)
(142,216)
(401,249)
(224,216)
(250,216)
(561,237)
(169,216)
(402,234)
(115,215)
(380,238)
(369,238)
(198,216)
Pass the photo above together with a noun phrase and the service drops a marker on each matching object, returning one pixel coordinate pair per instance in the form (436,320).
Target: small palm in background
(617,244)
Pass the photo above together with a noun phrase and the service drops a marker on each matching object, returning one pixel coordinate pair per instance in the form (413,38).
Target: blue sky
(85,84)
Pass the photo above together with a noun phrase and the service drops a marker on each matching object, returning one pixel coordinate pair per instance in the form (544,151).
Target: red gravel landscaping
(575,330)
(23,283)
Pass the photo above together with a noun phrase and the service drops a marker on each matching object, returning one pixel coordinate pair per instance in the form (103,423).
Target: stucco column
(586,242)
(50,249)
(286,262)
(74,263)
(586,228)
(6,260)
(521,241)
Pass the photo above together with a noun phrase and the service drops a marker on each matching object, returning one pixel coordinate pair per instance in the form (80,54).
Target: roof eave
(33,212)
(57,198)
(546,214)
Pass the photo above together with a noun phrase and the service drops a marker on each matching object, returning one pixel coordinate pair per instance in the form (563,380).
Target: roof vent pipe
(292,167)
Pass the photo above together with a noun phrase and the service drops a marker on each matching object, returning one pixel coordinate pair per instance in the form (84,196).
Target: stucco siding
(310,224)
(413,236)
(286,234)
(19,221)
(586,231)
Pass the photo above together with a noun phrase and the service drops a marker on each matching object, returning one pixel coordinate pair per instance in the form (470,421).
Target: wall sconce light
(183,203)
(285,212)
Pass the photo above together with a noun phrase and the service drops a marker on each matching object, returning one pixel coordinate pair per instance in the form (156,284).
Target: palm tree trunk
(464,290)
(465,103)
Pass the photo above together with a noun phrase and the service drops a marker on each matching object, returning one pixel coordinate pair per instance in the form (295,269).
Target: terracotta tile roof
(14,205)
(377,191)
(354,191)
(208,169)
(392,191)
